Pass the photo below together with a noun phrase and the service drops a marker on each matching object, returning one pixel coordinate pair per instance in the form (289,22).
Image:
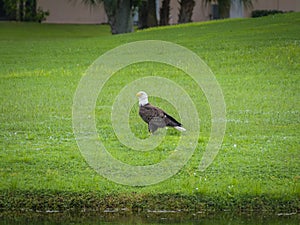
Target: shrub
(260,13)
(41,15)
(24,11)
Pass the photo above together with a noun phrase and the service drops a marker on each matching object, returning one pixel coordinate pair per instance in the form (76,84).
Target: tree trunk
(18,18)
(24,10)
(120,15)
(143,13)
(147,14)
(186,11)
(224,8)
(151,17)
(165,13)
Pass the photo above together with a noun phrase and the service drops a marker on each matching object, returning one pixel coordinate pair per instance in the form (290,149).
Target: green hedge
(260,13)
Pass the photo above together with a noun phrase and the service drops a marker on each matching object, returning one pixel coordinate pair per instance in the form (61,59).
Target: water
(148,219)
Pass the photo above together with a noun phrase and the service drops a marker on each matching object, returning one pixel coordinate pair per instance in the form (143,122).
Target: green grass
(257,64)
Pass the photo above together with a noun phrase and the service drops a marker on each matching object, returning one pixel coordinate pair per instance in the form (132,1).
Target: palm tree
(143,14)
(147,14)
(119,13)
(186,11)
(164,13)
(152,17)
(224,6)
(187,6)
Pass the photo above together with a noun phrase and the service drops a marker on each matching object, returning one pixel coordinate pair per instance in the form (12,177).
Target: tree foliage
(23,10)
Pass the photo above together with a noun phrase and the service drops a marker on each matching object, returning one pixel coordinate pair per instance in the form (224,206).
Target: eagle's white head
(143,98)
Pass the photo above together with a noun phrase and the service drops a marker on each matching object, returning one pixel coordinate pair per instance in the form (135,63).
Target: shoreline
(148,218)
(60,202)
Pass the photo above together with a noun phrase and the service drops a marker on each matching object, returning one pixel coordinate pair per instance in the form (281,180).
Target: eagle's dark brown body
(156,118)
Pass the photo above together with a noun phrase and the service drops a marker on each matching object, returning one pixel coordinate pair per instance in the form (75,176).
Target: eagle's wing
(170,121)
(156,117)
(149,112)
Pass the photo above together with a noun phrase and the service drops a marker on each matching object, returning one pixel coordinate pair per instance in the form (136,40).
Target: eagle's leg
(152,127)
(156,123)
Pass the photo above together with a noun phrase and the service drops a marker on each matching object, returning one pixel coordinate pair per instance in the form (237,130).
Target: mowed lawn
(255,61)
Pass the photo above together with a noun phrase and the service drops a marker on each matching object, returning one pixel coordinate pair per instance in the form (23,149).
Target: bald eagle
(154,116)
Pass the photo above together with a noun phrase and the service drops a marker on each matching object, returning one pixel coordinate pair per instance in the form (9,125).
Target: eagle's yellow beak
(138,94)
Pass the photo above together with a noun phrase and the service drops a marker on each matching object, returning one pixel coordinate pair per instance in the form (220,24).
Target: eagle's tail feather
(180,128)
